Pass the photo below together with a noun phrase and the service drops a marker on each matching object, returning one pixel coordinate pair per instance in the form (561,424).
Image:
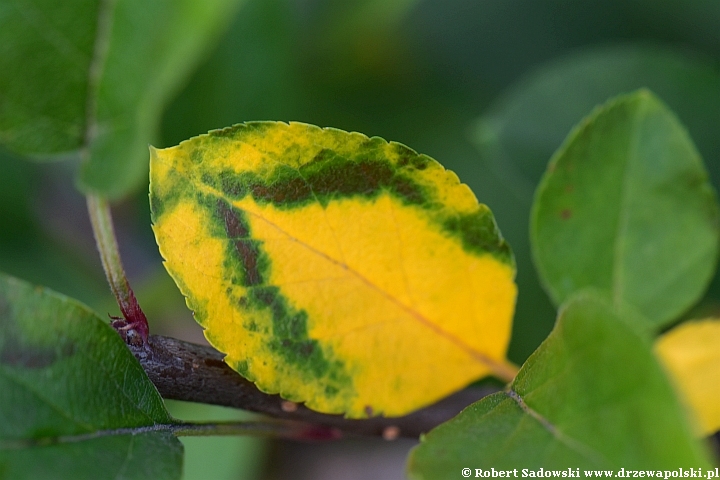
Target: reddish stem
(133,326)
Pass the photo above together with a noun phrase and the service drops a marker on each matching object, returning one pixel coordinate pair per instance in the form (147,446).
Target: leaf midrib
(6,445)
(45,400)
(101,46)
(624,213)
(87,426)
(572,443)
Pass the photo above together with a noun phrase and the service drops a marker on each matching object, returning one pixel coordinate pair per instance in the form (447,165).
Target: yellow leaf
(342,271)
(691,353)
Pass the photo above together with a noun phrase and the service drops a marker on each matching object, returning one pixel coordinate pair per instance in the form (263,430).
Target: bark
(196,373)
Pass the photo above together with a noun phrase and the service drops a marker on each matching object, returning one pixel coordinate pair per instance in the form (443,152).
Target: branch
(195,373)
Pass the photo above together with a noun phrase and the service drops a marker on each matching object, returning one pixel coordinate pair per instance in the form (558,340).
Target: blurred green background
(487,87)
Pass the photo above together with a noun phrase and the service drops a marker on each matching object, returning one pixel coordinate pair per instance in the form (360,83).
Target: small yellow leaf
(342,271)
(691,353)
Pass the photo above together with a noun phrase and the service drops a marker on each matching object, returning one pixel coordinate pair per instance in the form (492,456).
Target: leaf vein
(496,367)
(45,400)
(106,13)
(573,444)
(126,461)
(623,220)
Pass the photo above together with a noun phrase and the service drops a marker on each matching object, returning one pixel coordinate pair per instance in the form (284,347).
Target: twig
(195,373)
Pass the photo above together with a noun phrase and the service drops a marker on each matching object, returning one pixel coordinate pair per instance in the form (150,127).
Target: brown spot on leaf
(248,252)
(235,227)
(566,214)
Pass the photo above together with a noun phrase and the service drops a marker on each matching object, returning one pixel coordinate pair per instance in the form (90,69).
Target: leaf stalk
(133,327)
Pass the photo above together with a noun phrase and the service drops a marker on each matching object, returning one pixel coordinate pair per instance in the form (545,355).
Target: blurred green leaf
(138,456)
(592,396)
(218,458)
(347,18)
(357,43)
(251,75)
(28,250)
(75,403)
(326,62)
(521,130)
(626,206)
(46,57)
(94,77)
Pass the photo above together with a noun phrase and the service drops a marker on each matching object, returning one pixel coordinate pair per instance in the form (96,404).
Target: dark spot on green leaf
(566,213)
(16,351)
(29,357)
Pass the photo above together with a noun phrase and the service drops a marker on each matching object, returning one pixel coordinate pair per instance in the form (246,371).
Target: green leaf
(521,130)
(257,56)
(75,403)
(591,396)
(95,76)
(626,206)
(28,247)
(131,456)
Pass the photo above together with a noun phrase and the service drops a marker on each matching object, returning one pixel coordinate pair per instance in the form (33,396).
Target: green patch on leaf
(521,130)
